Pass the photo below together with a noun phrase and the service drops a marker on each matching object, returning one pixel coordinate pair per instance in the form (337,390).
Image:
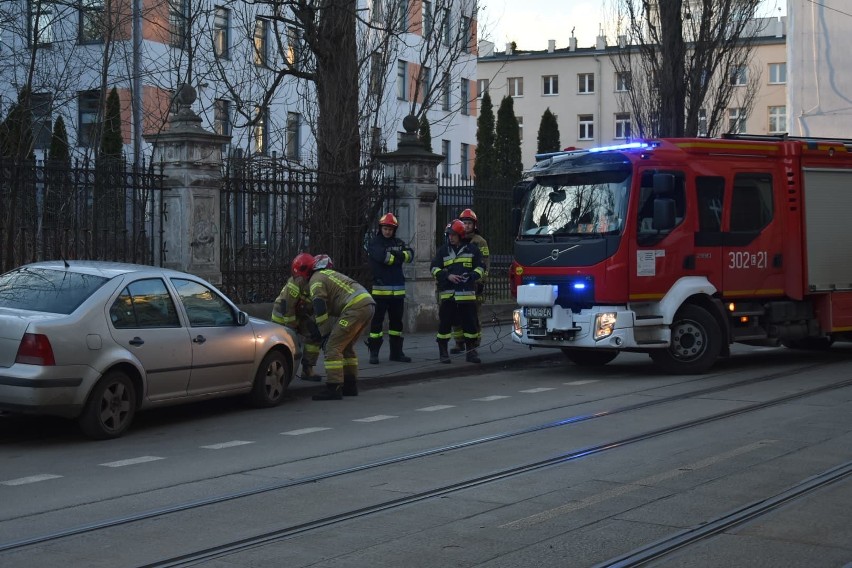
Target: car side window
(204,307)
(144,304)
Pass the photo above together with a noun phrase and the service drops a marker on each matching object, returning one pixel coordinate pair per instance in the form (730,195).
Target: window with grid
(550,85)
(425,83)
(221,32)
(427,18)
(261,130)
(91,21)
(739,76)
(465,158)
(402,14)
(88,116)
(446,31)
(445,92)
(482,87)
(178,23)
(777,119)
(736,121)
(586,127)
(377,13)
(516,86)
(585,83)
(622,81)
(622,125)
(777,73)
(465,96)
(261,47)
(402,80)
(377,73)
(465,33)
(43,18)
(445,152)
(293,143)
(222,117)
(294,44)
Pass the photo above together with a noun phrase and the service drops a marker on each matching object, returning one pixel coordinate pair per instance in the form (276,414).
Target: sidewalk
(497,351)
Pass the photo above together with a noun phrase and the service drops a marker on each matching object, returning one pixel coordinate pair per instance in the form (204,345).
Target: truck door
(753,262)
(709,202)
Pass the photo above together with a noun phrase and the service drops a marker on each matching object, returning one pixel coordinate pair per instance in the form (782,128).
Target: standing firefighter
(336,295)
(457,267)
(471,228)
(293,309)
(387,254)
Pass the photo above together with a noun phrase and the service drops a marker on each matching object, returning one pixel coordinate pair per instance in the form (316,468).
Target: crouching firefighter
(457,267)
(335,295)
(293,309)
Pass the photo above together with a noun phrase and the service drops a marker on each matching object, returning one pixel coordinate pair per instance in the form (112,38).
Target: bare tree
(685,63)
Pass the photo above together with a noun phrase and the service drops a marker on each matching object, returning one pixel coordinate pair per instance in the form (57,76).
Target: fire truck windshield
(580,204)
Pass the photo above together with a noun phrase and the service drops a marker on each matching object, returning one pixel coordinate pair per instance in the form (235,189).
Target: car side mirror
(242,318)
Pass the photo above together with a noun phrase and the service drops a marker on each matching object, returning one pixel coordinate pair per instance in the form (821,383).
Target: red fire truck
(680,247)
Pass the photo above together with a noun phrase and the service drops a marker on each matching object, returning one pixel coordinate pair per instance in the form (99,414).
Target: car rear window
(42,290)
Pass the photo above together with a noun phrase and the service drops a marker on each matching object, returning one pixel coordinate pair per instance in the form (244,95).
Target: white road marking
(30,479)
(132,461)
(303,431)
(224,445)
(376,418)
(633,486)
(436,407)
(492,397)
(578,383)
(540,389)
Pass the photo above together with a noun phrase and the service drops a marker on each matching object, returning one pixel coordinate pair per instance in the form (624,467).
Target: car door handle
(199,339)
(136,341)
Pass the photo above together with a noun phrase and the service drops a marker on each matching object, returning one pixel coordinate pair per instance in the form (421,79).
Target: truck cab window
(711,192)
(751,202)
(646,204)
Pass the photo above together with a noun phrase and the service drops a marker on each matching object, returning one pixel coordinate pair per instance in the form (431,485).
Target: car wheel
(110,408)
(695,342)
(271,380)
(589,357)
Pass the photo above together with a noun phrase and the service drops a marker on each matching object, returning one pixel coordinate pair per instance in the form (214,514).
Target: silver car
(97,341)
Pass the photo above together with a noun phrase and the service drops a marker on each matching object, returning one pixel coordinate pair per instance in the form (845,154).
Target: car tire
(695,343)
(110,408)
(589,357)
(271,380)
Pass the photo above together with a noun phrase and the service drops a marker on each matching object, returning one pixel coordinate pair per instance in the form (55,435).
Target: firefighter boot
(333,391)
(472,356)
(396,353)
(308,373)
(374,344)
(442,350)
(350,385)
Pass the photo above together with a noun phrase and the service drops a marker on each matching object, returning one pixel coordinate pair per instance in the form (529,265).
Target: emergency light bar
(627,146)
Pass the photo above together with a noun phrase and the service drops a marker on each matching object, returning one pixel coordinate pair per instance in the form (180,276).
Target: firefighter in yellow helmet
(335,295)
(387,254)
(471,227)
(293,309)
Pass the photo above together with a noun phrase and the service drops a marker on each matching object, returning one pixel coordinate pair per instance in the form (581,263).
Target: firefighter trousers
(340,357)
(392,306)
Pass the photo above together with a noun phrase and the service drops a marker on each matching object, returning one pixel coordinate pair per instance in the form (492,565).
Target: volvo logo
(554,255)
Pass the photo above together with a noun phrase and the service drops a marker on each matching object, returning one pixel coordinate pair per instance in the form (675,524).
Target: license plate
(546,312)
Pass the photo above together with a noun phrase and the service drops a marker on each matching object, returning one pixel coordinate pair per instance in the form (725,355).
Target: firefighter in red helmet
(293,309)
(387,254)
(457,267)
(471,227)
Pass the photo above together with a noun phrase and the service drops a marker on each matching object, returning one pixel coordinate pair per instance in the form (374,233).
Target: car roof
(102,268)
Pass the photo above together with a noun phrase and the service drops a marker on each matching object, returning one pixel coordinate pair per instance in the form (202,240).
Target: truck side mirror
(664,213)
(663,183)
(520,190)
(516,220)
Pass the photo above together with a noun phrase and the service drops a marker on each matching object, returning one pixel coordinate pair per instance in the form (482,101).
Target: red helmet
(322,261)
(302,265)
(389,219)
(468,215)
(455,226)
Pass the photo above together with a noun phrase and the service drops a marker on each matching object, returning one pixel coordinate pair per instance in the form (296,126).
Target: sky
(530,23)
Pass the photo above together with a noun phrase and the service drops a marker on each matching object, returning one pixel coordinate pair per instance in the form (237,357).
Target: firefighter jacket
(292,304)
(464,260)
(331,294)
(386,259)
(480,242)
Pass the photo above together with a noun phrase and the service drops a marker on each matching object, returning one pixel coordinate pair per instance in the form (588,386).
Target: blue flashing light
(628,146)
(579,285)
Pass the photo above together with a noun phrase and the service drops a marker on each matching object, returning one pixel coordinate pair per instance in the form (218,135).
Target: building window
(465,97)
(445,152)
(294,52)
(777,119)
(402,80)
(585,83)
(586,124)
(427,18)
(736,121)
(739,76)
(425,83)
(465,158)
(402,14)
(294,122)
(445,93)
(550,85)
(446,32)
(465,33)
(42,19)
(91,21)
(261,47)
(378,12)
(178,23)
(482,87)
(516,86)
(261,130)
(520,120)
(377,73)
(221,31)
(622,125)
(88,117)
(777,73)
(702,122)
(222,117)
(622,81)
(41,119)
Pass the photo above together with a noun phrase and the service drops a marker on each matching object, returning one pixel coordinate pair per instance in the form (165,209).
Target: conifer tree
(485,164)
(112,144)
(59,150)
(425,133)
(507,144)
(548,133)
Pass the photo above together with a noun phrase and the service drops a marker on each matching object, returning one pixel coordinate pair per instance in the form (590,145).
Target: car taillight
(35,349)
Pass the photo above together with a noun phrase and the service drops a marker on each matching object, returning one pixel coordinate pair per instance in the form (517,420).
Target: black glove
(324,341)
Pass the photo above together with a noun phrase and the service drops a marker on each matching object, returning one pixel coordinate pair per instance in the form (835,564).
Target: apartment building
(249,66)
(583,88)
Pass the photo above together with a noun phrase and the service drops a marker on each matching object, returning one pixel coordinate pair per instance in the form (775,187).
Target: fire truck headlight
(516,322)
(604,324)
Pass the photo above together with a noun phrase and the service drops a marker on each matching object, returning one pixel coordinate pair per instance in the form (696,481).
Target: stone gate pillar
(416,172)
(192,168)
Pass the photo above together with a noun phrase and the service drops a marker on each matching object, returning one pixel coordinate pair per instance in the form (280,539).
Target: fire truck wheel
(589,357)
(695,343)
